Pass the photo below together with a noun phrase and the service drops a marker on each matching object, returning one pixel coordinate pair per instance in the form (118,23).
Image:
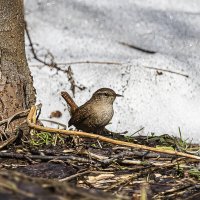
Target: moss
(194,172)
(45,138)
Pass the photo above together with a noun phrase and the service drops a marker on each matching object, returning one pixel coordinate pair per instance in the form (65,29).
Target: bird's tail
(72,106)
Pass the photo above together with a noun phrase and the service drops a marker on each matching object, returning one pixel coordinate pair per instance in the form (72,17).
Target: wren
(95,114)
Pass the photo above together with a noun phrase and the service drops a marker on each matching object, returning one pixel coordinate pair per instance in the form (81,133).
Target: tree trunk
(16,84)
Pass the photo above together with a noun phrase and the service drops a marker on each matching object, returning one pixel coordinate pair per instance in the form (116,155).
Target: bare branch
(137,48)
(166,70)
(53,64)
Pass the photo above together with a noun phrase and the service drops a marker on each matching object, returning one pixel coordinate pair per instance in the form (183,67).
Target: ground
(49,164)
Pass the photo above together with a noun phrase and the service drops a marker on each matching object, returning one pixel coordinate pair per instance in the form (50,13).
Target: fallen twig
(10,137)
(54,122)
(17,115)
(174,192)
(102,138)
(119,158)
(69,178)
(87,62)
(8,141)
(136,131)
(127,180)
(44,157)
(137,48)
(92,62)
(166,70)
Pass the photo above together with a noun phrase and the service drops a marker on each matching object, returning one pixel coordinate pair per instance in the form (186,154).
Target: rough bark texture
(16,84)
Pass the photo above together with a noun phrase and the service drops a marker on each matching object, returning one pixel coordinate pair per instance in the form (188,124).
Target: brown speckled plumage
(96,113)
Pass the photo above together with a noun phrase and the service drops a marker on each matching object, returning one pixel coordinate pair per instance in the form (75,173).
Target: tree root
(7,137)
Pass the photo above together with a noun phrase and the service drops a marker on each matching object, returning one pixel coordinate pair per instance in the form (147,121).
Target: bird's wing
(81,114)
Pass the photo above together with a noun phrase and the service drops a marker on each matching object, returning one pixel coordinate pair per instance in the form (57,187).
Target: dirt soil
(32,170)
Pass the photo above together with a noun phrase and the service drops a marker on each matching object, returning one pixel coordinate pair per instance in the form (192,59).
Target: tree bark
(16,85)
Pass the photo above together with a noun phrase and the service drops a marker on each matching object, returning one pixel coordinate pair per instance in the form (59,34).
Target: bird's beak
(119,95)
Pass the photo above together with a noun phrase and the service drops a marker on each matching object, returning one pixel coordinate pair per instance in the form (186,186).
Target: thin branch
(8,141)
(69,178)
(54,122)
(91,62)
(43,157)
(121,158)
(72,81)
(137,131)
(84,62)
(53,64)
(17,115)
(137,48)
(102,138)
(166,70)
(127,180)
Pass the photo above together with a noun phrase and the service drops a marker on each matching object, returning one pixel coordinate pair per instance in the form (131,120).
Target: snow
(82,30)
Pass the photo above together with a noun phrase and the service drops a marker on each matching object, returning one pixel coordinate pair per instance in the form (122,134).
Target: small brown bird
(96,113)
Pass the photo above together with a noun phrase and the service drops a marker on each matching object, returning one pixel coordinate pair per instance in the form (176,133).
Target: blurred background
(147,50)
